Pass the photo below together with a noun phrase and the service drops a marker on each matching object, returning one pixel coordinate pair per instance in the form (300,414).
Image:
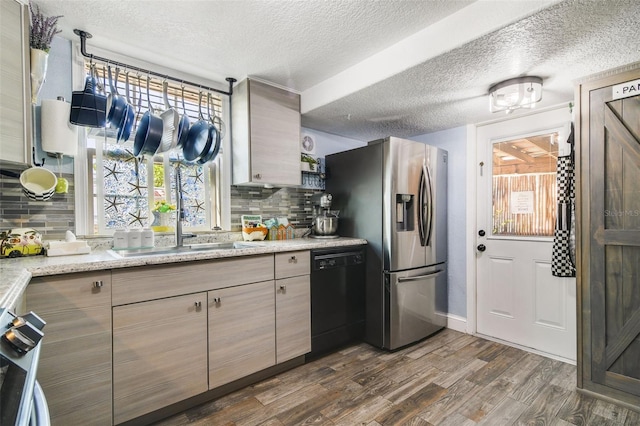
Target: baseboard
(528,349)
(455,322)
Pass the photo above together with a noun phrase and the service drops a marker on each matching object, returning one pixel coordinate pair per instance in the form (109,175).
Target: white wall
(455,142)
(330,144)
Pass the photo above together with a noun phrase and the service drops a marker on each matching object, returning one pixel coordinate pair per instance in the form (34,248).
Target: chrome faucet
(180,236)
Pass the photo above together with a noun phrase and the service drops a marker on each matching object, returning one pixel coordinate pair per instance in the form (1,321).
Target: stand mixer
(325,220)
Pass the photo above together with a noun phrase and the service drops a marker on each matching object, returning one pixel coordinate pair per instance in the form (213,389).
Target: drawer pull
(283,287)
(217,300)
(198,305)
(98,284)
(257,176)
(293,260)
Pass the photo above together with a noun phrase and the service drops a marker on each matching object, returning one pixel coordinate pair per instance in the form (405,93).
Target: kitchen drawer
(159,281)
(81,290)
(293,264)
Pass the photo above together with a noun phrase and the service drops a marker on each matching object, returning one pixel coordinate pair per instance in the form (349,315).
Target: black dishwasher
(337,297)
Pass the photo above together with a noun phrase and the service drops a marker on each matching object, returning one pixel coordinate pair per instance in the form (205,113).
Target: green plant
(42,29)
(306,158)
(163,207)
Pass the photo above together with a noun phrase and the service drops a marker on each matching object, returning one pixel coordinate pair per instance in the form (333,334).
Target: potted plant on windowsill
(40,37)
(162,216)
(307,163)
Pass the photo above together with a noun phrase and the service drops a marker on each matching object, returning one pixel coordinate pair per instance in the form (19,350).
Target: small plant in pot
(306,158)
(41,34)
(42,29)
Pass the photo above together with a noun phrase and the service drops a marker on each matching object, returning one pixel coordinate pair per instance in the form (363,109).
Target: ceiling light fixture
(515,93)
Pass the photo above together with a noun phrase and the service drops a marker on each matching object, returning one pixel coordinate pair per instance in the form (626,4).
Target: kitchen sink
(152,251)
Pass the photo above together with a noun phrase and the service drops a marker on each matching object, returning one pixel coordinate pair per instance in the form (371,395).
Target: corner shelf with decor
(314,179)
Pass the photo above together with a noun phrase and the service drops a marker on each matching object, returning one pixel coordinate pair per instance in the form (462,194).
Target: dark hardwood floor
(450,379)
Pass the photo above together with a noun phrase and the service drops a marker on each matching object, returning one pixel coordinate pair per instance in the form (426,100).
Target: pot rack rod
(83,49)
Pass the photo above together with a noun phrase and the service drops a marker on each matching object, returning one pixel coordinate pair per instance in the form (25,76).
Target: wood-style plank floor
(448,379)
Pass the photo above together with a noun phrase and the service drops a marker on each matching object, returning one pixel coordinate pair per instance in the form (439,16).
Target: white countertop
(16,273)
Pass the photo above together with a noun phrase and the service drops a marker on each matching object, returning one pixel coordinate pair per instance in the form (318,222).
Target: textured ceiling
(303,44)
(295,44)
(560,44)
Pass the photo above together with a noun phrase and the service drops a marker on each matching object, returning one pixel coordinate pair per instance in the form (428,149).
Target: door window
(524,186)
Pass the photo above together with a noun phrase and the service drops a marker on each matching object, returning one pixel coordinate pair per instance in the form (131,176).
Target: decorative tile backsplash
(52,218)
(292,203)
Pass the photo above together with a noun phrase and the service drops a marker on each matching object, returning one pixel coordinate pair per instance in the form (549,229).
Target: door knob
(482,247)
(481,233)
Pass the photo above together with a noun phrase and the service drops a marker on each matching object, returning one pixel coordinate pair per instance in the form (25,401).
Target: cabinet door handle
(257,176)
(198,305)
(283,287)
(217,300)
(98,284)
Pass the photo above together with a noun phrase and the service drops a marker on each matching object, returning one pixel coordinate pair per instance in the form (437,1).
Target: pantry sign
(625,90)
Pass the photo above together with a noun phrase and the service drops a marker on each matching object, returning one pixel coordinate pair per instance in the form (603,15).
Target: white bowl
(38,183)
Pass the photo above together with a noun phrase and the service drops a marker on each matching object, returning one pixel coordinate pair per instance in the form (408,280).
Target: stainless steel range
(22,401)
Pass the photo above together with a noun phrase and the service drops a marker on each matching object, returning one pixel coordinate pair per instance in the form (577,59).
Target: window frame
(218,217)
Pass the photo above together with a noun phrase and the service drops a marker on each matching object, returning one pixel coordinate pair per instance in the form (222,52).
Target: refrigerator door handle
(421,204)
(426,206)
(421,277)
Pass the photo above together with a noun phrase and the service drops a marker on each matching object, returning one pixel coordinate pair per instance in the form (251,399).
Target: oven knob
(23,337)
(32,318)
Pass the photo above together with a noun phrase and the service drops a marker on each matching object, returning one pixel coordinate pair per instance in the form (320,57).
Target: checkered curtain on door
(563,256)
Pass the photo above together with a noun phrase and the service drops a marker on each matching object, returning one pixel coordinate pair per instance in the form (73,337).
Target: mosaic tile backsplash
(52,218)
(292,203)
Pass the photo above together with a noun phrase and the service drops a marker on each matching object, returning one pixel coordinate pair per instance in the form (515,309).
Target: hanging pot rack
(83,49)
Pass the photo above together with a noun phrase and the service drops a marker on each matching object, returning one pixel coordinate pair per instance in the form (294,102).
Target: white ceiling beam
(467,24)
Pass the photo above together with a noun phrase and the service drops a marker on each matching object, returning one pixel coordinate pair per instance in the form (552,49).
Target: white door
(518,300)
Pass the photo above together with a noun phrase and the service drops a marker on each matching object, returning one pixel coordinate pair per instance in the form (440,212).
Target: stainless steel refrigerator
(393,193)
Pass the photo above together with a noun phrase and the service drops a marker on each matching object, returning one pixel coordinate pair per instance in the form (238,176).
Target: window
(524,186)
(136,192)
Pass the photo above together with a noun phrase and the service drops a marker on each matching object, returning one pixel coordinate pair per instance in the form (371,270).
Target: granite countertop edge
(15,274)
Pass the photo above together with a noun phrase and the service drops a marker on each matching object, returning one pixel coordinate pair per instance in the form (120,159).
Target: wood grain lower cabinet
(159,354)
(75,362)
(293,304)
(293,317)
(241,332)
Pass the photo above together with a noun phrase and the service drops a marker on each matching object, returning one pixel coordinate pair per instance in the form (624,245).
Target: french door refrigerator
(393,193)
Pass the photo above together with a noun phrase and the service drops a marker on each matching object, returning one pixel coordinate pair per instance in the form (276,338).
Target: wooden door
(274,135)
(293,317)
(518,299)
(159,354)
(242,331)
(612,233)
(75,360)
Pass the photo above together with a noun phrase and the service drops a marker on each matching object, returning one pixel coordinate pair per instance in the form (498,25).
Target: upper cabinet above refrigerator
(266,135)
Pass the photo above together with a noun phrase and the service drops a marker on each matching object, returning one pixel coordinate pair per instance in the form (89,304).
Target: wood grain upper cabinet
(293,305)
(159,354)
(241,331)
(75,360)
(609,237)
(15,86)
(266,135)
